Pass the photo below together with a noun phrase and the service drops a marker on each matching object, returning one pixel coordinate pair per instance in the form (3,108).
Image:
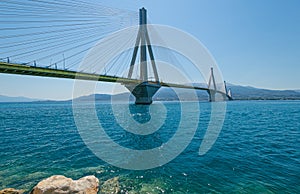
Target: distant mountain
(16,99)
(252,93)
(238,93)
(106,97)
(164,94)
(169,94)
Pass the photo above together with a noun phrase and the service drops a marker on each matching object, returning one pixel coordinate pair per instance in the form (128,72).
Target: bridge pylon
(145,90)
(212,88)
(213,93)
(228,92)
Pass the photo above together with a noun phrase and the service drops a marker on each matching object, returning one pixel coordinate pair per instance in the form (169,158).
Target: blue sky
(255,43)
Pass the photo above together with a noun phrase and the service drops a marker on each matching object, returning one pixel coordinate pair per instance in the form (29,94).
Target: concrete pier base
(212,95)
(215,96)
(143,92)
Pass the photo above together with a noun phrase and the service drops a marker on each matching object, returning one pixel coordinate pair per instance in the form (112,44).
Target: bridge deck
(12,68)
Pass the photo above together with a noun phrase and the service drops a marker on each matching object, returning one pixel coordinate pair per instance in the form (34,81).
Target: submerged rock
(111,186)
(11,191)
(62,185)
(149,188)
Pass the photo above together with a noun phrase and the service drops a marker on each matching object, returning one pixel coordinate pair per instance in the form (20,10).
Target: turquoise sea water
(257,151)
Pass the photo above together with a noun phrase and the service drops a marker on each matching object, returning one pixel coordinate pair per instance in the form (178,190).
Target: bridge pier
(214,96)
(211,95)
(145,90)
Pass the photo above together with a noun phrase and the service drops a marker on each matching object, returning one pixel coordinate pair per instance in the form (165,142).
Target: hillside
(168,94)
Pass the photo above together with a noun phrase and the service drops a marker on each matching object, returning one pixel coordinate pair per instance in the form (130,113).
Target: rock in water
(62,185)
(111,186)
(11,191)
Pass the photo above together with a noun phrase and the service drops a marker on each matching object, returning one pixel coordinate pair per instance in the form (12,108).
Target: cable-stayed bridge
(49,39)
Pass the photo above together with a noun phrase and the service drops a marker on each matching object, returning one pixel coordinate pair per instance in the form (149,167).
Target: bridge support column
(212,84)
(212,95)
(145,90)
(228,92)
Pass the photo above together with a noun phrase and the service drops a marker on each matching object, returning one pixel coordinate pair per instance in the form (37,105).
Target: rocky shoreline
(59,184)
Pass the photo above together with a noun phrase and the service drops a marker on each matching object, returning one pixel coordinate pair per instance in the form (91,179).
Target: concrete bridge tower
(145,90)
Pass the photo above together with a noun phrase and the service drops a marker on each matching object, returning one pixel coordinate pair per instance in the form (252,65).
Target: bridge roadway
(13,68)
